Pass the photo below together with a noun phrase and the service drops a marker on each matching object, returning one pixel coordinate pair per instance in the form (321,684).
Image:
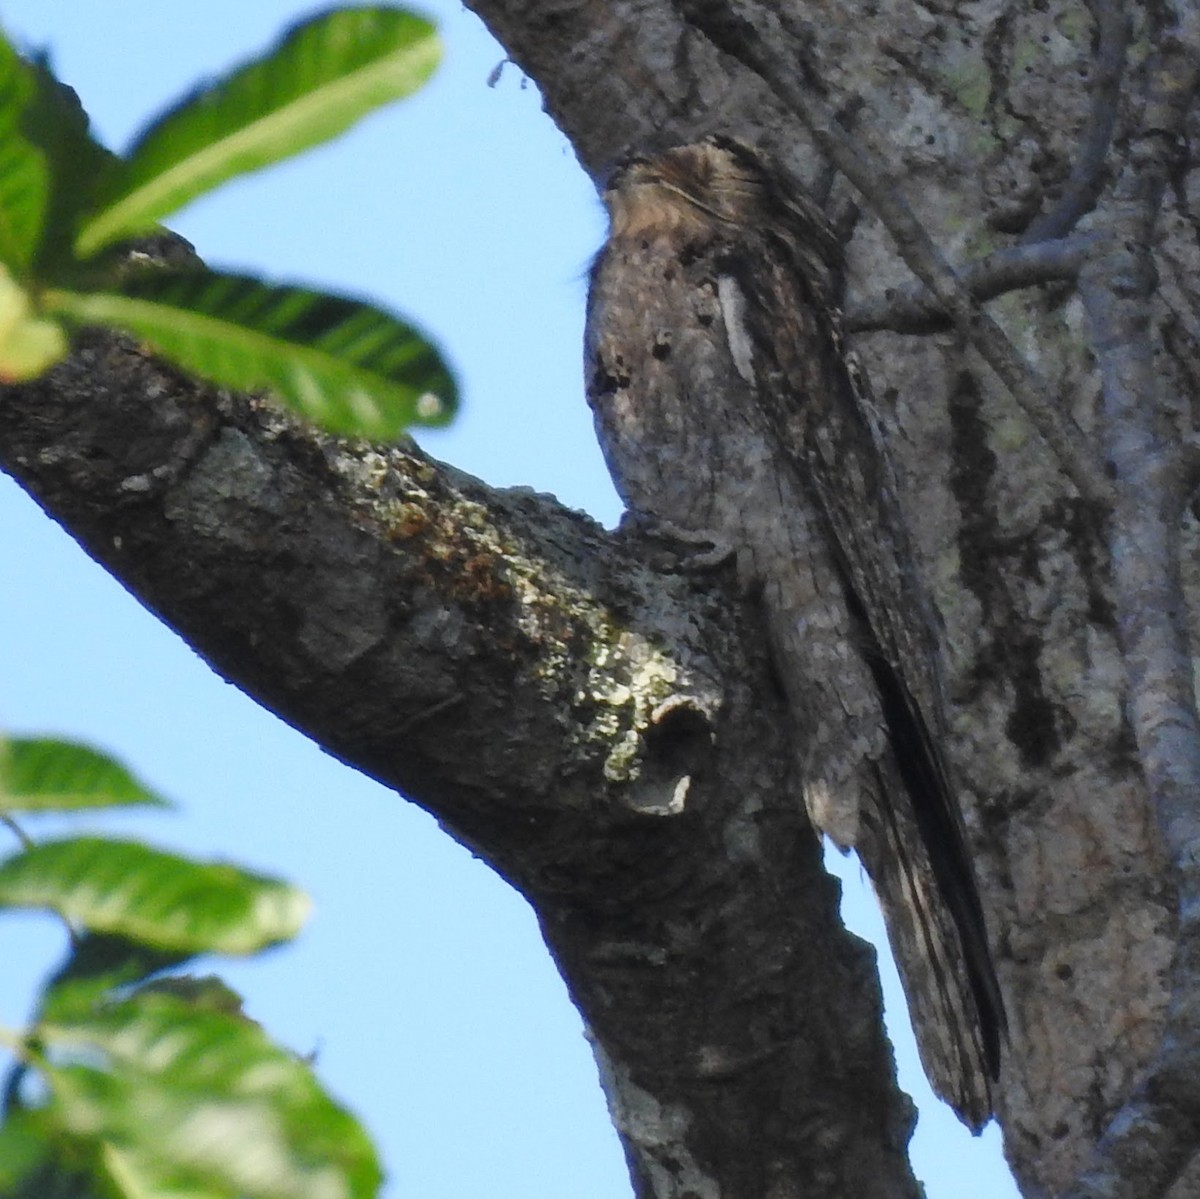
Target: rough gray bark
(999,123)
(599,725)
(603,727)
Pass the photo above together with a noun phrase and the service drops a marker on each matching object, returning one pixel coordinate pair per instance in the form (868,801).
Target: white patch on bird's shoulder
(733,312)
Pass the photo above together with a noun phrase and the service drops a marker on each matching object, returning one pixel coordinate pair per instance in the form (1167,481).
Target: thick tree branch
(1087,175)
(598,725)
(1153,1136)
(915,309)
(445,629)
(1080,906)
(357,592)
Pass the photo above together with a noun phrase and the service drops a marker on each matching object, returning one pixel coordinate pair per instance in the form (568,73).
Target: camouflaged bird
(728,411)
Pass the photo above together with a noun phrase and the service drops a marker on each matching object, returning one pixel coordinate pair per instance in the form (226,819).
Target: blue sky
(421,981)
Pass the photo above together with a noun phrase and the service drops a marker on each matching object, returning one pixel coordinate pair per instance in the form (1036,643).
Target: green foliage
(346,366)
(68,209)
(153,1086)
(38,774)
(189,1099)
(24,174)
(129,1083)
(154,898)
(322,77)
(54,120)
(29,343)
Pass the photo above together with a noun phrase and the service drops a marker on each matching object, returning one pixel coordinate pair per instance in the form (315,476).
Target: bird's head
(702,185)
(714,186)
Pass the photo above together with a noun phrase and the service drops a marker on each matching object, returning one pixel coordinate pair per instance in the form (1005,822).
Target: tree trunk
(601,723)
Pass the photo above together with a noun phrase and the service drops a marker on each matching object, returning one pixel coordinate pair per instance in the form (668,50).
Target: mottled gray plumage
(727,409)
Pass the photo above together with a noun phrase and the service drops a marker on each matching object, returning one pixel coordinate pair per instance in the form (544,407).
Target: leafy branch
(131,1083)
(71,212)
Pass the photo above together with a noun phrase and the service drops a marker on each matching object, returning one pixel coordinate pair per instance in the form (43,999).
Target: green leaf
(23,1149)
(323,76)
(58,1180)
(53,1175)
(50,166)
(55,122)
(349,367)
(158,899)
(29,343)
(193,1098)
(24,175)
(42,774)
(208,992)
(97,965)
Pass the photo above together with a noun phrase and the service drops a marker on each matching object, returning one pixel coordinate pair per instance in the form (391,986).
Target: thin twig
(1087,174)
(17,831)
(863,168)
(1154,1134)
(914,309)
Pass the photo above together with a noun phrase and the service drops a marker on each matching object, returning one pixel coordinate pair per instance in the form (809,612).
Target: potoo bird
(729,412)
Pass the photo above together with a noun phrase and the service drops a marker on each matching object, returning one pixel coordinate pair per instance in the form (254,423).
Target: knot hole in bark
(676,746)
